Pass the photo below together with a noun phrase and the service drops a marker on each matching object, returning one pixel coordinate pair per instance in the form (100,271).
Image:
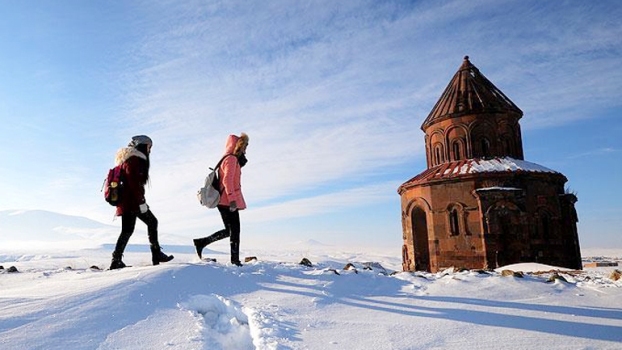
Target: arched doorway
(420,239)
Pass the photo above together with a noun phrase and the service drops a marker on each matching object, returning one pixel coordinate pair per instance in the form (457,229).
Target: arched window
(454,224)
(507,147)
(457,146)
(485,147)
(545,225)
(438,154)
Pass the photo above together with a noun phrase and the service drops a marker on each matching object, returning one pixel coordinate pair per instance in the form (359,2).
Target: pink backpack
(113,186)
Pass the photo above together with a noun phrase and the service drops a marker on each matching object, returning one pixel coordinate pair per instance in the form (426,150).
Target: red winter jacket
(230,174)
(135,172)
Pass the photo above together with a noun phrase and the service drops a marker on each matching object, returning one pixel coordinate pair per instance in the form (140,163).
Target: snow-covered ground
(57,301)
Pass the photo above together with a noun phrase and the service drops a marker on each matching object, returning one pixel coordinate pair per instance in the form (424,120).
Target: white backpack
(209,194)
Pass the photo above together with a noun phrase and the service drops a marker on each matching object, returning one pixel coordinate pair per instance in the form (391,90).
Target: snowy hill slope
(58,302)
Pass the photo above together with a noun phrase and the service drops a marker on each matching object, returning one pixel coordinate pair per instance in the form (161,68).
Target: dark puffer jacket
(135,169)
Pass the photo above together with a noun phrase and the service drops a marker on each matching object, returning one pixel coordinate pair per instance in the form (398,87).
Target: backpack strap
(221,160)
(215,170)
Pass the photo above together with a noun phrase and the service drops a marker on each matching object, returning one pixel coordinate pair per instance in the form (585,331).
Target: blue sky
(331,93)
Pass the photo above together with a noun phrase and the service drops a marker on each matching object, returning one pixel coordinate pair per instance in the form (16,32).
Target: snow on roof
(497,188)
(500,164)
(475,166)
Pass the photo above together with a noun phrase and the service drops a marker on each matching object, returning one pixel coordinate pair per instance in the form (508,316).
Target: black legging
(231,219)
(128,224)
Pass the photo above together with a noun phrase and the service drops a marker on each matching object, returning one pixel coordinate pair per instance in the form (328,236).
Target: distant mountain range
(20,228)
(40,225)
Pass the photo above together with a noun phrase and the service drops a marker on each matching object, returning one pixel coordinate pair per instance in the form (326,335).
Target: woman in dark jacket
(231,199)
(134,161)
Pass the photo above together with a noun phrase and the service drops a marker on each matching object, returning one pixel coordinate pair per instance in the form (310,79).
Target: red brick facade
(479,204)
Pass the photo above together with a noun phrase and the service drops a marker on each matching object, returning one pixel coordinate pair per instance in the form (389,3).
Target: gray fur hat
(140,140)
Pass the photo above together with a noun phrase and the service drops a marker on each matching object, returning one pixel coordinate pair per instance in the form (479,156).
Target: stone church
(479,204)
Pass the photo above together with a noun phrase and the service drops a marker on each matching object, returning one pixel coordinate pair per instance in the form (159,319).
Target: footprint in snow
(225,326)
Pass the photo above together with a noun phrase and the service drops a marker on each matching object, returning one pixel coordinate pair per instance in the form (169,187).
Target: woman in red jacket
(231,198)
(135,170)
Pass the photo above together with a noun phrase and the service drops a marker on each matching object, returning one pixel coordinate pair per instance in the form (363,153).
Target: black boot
(116,263)
(119,248)
(199,244)
(157,256)
(235,254)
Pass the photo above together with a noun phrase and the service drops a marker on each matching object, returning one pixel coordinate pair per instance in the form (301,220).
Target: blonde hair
(240,145)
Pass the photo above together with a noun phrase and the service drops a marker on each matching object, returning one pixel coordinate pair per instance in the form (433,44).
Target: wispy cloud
(332,201)
(595,152)
(332,94)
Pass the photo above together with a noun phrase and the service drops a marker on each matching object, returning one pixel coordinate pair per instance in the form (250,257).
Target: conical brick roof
(469,92)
